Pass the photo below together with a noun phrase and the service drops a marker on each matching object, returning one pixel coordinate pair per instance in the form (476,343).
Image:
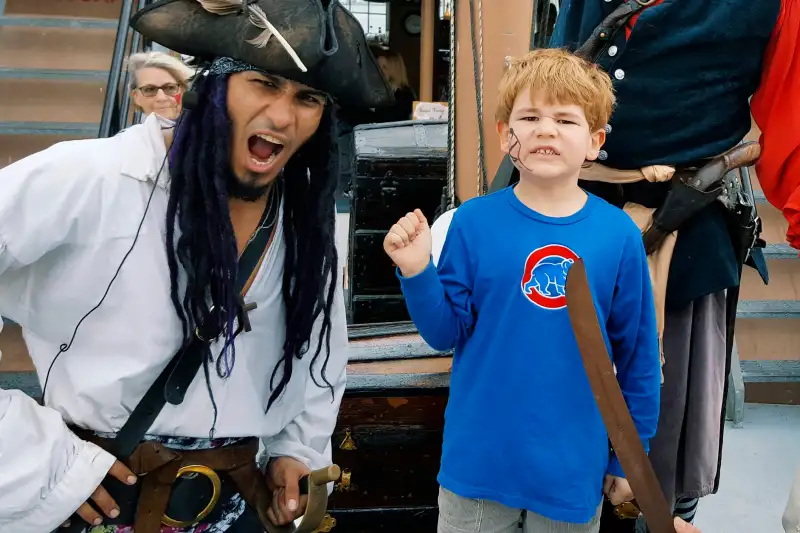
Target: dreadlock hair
(200,174)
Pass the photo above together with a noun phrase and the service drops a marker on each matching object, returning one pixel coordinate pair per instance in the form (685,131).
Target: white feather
(221,7)
(259,19)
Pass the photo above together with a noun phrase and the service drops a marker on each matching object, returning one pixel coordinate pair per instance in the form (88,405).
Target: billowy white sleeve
(51,197)
(46,472)
(307,437)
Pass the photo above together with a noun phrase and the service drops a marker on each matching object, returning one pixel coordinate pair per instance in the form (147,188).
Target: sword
(619,424)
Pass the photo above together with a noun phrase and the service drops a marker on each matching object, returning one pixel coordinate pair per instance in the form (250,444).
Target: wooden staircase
(54,62)
(768,318)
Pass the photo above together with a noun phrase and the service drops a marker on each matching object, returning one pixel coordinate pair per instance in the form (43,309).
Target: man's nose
(281,111)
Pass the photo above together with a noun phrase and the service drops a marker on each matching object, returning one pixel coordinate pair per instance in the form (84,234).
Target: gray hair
(177,68)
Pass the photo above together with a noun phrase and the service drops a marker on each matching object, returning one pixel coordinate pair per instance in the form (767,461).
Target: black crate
(396,167)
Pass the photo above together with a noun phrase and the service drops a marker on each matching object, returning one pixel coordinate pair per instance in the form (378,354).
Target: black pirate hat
(315,42)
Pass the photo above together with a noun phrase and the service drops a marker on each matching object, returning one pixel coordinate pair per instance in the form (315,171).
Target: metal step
(780,251)
(58,22)
(768,309)
(53,74)
(27,382)
(770,371)
(78,129)
(752,372)
(745,309)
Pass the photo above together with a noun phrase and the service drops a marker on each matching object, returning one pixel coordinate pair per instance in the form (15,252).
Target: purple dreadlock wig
(200,181)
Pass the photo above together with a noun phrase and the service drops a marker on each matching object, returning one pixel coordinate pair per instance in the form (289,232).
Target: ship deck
(759,461)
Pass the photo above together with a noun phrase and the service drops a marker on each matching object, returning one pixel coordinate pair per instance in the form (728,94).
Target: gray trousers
(685,449)
(466,515)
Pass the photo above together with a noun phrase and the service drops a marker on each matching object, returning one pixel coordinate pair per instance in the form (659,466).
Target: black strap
(173,382)
(603,34)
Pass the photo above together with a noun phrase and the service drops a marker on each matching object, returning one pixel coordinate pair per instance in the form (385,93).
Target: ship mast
(502,29)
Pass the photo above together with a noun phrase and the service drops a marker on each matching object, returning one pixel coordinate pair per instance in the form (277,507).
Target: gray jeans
(467,515)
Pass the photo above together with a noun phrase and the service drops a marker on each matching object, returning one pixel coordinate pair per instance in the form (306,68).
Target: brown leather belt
(159,467)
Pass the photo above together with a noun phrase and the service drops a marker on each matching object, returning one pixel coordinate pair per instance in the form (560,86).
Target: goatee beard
(245,191)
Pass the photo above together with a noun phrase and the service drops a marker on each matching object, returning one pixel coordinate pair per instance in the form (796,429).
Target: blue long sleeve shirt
(522,426)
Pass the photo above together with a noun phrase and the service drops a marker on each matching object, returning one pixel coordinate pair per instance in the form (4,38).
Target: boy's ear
(503,131)
(598,139)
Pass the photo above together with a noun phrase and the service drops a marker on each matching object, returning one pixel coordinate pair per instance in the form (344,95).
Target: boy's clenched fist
(408,243)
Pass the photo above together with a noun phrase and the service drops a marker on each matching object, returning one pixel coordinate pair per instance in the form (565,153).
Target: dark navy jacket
(683,82)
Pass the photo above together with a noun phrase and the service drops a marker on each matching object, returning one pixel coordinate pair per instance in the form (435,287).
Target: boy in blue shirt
(523,436)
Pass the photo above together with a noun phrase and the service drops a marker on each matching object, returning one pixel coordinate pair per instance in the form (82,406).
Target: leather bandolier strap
(604,34)
(611,403)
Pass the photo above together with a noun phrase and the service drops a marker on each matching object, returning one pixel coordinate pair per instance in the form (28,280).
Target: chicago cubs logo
(545,276)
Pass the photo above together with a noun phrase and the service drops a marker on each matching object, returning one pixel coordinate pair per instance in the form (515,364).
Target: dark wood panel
(387,466)
(386,520)
(424,411)
(378,308)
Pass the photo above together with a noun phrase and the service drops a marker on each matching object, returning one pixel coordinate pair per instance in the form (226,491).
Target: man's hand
(617,489)
(408,243)
(283,479)
(103,499)
(683,527)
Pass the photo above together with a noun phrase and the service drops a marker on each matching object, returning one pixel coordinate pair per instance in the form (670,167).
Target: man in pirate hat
(133,262)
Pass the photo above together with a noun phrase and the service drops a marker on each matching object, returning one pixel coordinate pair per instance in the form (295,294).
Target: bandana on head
(228,65)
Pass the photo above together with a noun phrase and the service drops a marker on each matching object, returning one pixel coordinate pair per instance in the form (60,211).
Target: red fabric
(633,19)
(776,110)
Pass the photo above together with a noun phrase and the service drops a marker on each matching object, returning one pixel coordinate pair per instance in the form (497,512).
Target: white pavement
(759,461)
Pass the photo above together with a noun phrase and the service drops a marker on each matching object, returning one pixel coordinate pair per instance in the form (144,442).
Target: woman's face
(157,92)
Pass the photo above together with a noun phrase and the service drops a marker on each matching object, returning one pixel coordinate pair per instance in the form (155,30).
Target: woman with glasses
(158,80)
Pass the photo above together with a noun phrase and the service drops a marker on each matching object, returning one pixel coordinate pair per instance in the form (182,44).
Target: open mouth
(264,149)
(546,151)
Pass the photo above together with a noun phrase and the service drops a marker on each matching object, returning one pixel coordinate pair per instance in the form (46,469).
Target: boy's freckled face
(548,140)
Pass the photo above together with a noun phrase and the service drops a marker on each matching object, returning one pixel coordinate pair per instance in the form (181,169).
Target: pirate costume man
(683,74)
(133,262)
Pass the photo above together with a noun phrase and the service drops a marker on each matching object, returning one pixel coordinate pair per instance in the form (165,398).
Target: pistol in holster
(694,190)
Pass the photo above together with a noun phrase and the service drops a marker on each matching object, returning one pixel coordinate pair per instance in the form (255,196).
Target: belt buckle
(627,510)
(216,484)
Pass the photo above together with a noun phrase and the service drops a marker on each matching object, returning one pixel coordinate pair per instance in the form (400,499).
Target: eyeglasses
(170,89)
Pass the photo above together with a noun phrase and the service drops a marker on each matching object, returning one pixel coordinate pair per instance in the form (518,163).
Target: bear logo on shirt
(545,276)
